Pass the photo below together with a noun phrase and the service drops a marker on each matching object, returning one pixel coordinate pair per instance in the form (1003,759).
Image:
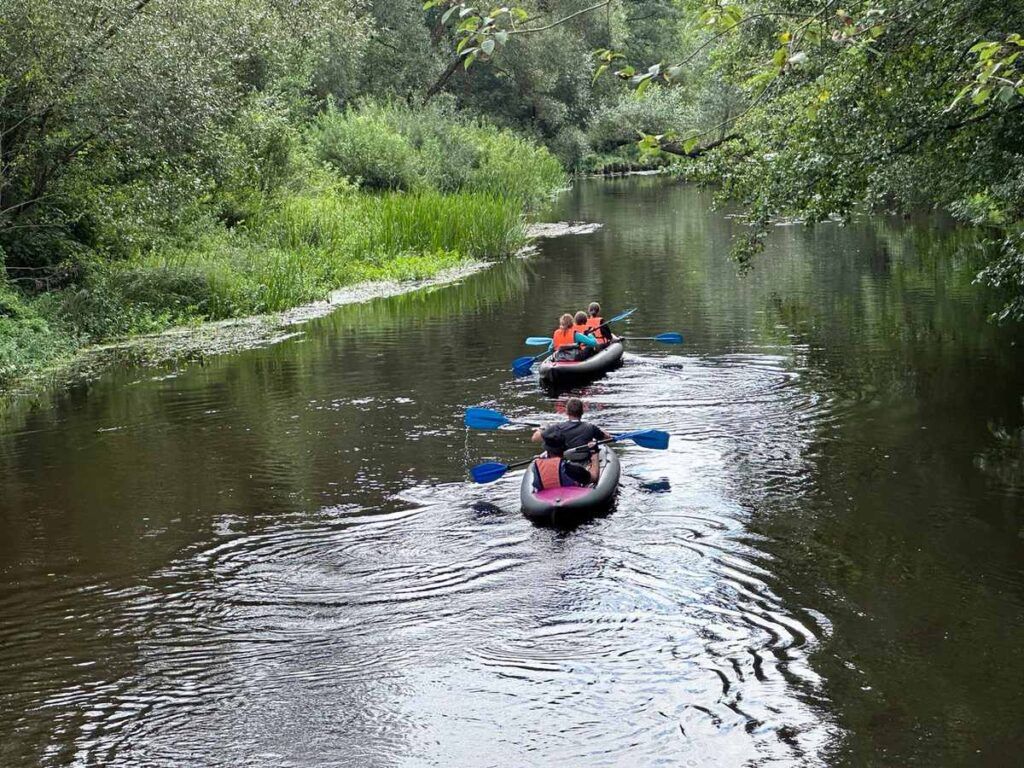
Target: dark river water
(276,559)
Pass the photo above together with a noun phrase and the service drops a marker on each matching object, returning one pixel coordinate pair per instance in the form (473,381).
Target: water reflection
(275,559)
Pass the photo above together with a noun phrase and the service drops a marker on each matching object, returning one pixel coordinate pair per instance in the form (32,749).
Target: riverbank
(195,342)
(384,194)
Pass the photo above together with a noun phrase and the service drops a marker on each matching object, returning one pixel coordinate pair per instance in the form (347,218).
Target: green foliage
(394,147)
(27,341)
(365,148)
(865,107)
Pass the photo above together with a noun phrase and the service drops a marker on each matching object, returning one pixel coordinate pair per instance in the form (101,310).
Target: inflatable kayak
(559,505)
(565,371)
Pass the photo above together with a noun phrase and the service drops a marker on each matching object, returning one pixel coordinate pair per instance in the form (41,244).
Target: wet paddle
(487,418)
(664,338)
(521,366)
(495,470)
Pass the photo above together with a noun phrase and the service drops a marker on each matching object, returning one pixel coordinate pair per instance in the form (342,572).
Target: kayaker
(580,326)
(552,470)
(574,429)
(564,339)
(595,323)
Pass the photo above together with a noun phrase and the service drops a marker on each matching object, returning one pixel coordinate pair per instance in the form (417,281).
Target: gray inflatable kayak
(568,371)
(563,505)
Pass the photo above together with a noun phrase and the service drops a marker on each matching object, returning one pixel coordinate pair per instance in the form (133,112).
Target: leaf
(487,46)
(690,144)
(501,36)
(468,62)
(448,14)
(645,81)
(600,71)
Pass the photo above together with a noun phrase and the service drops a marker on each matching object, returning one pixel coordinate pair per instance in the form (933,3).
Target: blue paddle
(486,418)
(521,365)
(664,338)
(540,341)
(494,470)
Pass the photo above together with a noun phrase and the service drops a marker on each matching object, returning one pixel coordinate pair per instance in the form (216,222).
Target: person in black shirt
(576,432)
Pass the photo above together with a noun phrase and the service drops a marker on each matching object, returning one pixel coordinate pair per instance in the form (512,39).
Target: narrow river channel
(276,559)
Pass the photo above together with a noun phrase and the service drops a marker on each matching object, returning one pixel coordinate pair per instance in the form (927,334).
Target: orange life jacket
(564,337)
(579,329)
(550,471)
(594,324)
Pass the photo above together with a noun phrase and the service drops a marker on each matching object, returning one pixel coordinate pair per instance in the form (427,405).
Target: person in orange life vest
(564,339)
(580,326)
(594,324)
(577,433)
(552,470)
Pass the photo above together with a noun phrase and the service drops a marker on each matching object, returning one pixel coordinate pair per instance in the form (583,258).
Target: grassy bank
(382,193)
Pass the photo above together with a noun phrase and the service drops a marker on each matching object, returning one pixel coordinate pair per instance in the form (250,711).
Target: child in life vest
(564,339)
(580,326)
(553,471)
(595,325)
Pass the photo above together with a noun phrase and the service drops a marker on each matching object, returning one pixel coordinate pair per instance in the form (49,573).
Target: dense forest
(169,161)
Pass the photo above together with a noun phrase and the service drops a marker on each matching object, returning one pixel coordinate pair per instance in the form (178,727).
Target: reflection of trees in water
(1004,460)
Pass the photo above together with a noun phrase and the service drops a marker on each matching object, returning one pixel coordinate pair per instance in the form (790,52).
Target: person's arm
(595,467)
(536,435)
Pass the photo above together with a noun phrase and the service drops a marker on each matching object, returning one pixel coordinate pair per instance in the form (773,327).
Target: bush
(27,341)
(364,147)
(391,146)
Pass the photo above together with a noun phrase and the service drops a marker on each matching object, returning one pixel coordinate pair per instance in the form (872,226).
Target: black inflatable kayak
(567,371)
(561,505)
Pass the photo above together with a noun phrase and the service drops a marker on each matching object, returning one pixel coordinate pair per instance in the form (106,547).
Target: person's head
(594,309)
(581,318)
(554,442)
(574,408)
(565,320)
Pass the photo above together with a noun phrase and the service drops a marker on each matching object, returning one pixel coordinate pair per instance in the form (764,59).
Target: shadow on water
(276,559)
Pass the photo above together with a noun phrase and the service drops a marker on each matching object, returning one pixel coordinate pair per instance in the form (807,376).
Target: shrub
(364,147)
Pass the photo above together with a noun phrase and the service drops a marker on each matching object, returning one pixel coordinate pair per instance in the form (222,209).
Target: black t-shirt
(577,433)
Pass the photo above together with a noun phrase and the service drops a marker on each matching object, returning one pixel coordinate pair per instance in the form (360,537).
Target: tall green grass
(448,191)
(309,246)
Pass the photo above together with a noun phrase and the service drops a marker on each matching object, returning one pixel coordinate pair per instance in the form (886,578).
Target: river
(276,558)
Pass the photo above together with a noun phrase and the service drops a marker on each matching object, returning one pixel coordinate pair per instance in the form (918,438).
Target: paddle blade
(488,472)
(538,341)
(647,438)
(582,338)
(521,365)
(623,316)
(484,418)
(669,338)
